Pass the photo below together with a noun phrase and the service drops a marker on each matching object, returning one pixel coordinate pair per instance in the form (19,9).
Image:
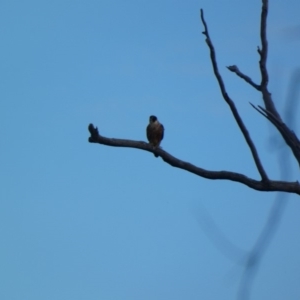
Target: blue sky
(85,221)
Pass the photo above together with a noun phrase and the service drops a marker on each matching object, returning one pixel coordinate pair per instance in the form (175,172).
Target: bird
(155,132)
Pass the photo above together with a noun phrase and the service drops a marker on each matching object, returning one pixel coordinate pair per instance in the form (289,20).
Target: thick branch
(266,185)
(231,103)
(236,70)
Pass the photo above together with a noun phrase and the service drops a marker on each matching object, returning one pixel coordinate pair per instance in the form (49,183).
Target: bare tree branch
(270,110)
(231,103)
(264,185)
(236,70)
(288,135)
(263,52)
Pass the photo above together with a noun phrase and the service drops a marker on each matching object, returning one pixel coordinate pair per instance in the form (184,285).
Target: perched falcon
(155,132)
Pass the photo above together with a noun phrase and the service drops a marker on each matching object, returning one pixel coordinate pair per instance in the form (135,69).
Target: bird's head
(152,119)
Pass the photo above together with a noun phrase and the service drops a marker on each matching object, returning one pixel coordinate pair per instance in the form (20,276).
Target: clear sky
(86,221)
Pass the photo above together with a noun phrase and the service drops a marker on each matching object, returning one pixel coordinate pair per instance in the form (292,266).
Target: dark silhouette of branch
(270,110)
(264,185)
(287,134)
(236,70)
(231,103)
(263,52)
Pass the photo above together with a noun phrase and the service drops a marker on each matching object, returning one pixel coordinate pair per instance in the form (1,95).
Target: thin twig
(231,104)
(266,116)
(288,135)
(236,70)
